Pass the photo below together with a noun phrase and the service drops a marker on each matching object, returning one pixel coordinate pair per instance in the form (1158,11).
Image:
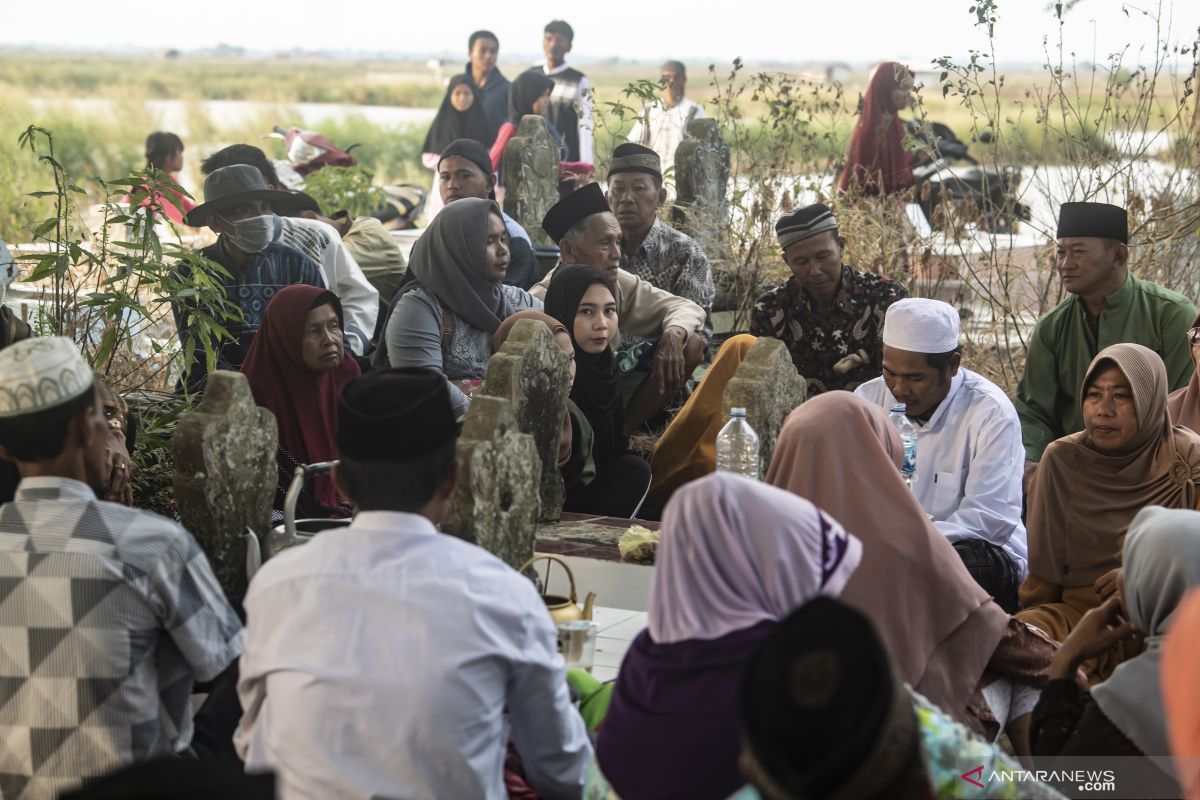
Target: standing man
(969,451)
(662,125)
(829,315)
(491,87)
(570,108)
(651,249)
(1107,305)
(388,659)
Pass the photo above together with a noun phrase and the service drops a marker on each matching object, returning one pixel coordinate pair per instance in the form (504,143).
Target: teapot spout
(589,603)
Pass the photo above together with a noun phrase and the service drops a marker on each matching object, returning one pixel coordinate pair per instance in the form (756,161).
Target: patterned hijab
(1082,499)
(734,552)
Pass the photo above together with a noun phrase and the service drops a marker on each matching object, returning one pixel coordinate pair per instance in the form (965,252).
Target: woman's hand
(1097,633)
(1108,583)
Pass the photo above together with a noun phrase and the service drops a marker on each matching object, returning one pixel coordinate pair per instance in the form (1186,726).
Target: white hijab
(1161,563)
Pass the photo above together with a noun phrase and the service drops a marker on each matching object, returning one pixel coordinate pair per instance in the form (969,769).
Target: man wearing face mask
(237,206)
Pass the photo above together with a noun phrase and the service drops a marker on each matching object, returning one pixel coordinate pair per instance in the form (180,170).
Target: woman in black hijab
(460,116)
(530,94)
(583,300)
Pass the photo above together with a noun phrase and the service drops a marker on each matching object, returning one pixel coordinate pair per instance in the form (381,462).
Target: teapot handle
(570,575)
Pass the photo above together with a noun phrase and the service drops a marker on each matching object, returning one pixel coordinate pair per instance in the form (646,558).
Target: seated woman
(453,300)
(824,714)
(1184,404)
(296,368)
(734,557)
(688,447)
(949,640)
(1089,486)
(877,161)
(583,300)
(1181,691)
(1125,715)
(458,117)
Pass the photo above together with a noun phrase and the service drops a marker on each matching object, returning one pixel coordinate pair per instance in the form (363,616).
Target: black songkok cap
(632,157)
(394,414)
(573,209)
(822,709)
(804,223)
(1098,220)
(469,149)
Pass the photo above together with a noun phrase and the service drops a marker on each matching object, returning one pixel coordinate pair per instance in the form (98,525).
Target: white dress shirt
(666,128)
(343,276)
(970,461)
(585,109)
(380,659)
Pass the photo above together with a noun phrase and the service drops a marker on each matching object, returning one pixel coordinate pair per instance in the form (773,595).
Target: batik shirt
(819,340)
(107,617)
(673,262)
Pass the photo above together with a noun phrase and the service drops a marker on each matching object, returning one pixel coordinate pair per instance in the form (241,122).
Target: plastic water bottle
(908,436)
(737,446)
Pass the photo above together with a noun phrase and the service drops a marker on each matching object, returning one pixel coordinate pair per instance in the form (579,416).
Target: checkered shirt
(107,617)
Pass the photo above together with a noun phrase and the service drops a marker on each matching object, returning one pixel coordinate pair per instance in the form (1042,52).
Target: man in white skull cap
(969,450)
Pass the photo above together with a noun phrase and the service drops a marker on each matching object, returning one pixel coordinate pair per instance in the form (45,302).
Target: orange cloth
(1181,691)
(687,450)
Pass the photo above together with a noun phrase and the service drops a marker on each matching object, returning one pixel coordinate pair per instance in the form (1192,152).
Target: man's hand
(119,490)
(1106,585)
(668,367)
(1097,633)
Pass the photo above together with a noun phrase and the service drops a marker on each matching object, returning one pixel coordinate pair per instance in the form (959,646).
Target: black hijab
(451,124)
(525,91)
(597,389)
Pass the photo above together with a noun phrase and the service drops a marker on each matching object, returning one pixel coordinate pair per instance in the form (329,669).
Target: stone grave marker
(225,475)
(702,176)
(530,164)
(767,385)
(530,372)
(495,504)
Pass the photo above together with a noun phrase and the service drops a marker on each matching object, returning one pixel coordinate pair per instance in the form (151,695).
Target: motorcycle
(309,151)
(946,174)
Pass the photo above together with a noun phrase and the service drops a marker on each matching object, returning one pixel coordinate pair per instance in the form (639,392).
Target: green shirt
(1062,347)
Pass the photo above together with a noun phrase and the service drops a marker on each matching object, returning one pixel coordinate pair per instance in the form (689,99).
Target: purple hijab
(734,557)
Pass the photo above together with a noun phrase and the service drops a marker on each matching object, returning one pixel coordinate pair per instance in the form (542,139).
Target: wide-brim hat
(238,183)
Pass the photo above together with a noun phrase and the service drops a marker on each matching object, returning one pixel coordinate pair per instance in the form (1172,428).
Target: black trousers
(615,491)
(992,569)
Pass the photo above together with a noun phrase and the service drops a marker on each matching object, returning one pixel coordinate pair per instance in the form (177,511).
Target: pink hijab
(843,454)
(735,552)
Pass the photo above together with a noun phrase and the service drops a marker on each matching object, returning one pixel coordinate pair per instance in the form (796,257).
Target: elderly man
(465,170)
(969,451)
(237,206)
(663,125)
(491,87)
(829,315)
(1107,305)
(388,659)
(651,249)
(588,233)
(111,614)
(317,240)
(570,108)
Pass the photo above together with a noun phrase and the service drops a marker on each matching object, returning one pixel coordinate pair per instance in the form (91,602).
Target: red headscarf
(304,402)
(877,162)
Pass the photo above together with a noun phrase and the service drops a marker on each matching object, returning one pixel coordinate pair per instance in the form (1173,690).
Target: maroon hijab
(304,402)
(877,162)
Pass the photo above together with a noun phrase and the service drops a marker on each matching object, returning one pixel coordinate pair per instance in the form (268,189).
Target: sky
(858,32)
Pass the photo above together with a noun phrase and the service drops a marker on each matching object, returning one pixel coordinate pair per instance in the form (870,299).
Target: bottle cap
(898,407)
(737,412)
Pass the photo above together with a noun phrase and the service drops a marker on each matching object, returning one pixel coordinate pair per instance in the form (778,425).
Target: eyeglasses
(1193,337)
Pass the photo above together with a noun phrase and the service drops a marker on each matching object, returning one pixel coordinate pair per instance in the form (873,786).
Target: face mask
(253,234)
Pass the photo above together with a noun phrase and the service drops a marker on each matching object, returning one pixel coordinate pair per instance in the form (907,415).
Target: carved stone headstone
(530,372)
(530,164)
(225,474)
(495,504)
(702,176)
(767,385)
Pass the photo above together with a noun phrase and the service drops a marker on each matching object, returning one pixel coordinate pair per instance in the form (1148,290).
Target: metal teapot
(562,609)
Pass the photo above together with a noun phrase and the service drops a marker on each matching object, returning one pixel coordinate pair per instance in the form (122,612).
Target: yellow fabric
(687,450)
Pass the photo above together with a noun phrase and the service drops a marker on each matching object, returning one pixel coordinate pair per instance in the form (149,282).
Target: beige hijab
(1184,404)
(1083,500)
(843,454)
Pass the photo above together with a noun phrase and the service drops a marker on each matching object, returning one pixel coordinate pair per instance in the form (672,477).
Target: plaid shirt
(818,339)
(107,616)
(674,262)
